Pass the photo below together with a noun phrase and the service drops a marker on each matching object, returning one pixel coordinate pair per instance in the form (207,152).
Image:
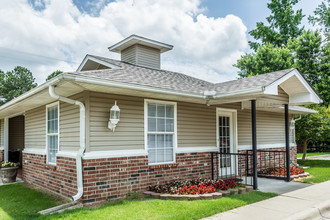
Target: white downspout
(82,139)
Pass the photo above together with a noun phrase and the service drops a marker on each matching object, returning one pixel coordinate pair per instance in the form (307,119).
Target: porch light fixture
(114,117)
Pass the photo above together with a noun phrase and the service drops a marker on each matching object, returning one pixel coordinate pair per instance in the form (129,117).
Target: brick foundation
(2,156)
(60,179)
(114,178)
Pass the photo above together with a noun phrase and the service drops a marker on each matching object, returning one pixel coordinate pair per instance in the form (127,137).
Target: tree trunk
(304,150)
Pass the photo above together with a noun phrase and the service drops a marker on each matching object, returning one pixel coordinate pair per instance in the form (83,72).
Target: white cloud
(204,47)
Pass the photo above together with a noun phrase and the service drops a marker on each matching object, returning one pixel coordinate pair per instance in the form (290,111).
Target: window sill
(159,166)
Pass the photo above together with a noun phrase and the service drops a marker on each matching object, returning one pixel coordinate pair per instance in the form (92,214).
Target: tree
(57,72)
(283,25)
(15,82)
(266,59)
(314,127)
(322,18)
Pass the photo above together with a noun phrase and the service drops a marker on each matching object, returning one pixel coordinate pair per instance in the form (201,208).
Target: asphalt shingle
(162,79)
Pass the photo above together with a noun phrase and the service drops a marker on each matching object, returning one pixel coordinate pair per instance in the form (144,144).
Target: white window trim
(175,133)
(58,132)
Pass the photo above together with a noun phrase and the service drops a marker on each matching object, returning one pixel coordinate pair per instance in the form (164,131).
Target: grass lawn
(319,170)
(163,209)
(299,155)
(18,201)
(21,202)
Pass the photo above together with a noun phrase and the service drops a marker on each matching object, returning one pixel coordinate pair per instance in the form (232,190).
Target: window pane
(169,111)
(152,109)
(151,141)
(160,141)
(160,110)
(151,156)
(52,117)
(168,141)
(52,148)
(152,124)
(160,124)
(170,125)
(169,155)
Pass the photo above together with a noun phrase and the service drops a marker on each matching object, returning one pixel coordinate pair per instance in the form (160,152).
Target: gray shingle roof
(162,79)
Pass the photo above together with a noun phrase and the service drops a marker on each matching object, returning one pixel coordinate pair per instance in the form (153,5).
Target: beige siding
(70,125)
(129,54)
(270,127)
(147,56)
(196,125)
(142,55)
(129,133)
(35,128)
(16,133)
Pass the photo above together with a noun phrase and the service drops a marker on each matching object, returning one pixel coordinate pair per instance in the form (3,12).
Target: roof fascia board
(253,91)
(139,38)
(272,89)
(88,57)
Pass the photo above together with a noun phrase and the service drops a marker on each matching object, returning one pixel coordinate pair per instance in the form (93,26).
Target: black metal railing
(239,166)
(271,163)
(232,166)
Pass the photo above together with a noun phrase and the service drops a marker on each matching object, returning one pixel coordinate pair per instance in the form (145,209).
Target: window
(160,131)
(52,127)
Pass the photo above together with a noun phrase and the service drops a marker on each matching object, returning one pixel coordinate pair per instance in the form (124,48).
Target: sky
(208,36)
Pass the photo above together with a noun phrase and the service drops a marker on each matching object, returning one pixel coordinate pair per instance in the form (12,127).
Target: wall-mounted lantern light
(114,117)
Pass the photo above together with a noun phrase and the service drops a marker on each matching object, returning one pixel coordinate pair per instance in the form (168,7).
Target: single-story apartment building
(113,126)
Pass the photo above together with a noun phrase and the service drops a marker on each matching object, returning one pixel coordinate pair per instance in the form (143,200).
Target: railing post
(254,144)
(287,142)
(212,168)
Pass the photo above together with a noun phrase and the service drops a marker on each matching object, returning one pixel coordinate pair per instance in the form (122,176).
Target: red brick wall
(2,155)
(114,178)
(60,179)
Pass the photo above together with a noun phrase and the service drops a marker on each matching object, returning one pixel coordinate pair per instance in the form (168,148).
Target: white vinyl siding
(160,131)
(52,132)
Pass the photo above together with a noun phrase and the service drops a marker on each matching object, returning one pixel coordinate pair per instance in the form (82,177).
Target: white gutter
(82,139)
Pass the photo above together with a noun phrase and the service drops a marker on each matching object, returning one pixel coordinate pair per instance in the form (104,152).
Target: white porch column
(6,139)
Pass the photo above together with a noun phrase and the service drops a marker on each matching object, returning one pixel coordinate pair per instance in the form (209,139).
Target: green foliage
(283,25)
(266,59)
(56,73)
(7,164)
(319,170)
(314,127)
(15,82)
(20,202)
(322,18)
(162,209)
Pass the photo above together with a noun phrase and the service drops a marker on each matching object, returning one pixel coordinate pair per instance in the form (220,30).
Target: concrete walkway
(279,186)
(319,157)
(312,202)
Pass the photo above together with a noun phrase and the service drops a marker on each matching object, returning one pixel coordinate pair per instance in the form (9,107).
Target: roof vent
(141,51)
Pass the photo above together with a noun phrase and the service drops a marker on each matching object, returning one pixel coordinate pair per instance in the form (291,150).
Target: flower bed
(281,172)
(196,189)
